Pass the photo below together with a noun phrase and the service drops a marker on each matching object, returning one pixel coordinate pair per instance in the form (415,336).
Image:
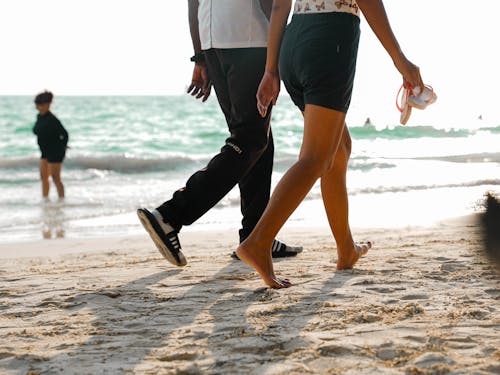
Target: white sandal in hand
(404,107)
(414,98)
(421,99)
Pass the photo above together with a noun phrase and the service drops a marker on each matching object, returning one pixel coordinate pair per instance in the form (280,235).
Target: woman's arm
(376,16)
(270,85)
(58,131)
(279,17)
(65,134)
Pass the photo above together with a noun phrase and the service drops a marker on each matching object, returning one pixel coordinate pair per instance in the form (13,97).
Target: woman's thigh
(55,170)
(323,129)
(44,169)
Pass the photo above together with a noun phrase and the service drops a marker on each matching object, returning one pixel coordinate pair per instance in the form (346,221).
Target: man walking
(229,39)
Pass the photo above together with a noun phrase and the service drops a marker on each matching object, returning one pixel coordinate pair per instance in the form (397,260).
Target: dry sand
(423,301)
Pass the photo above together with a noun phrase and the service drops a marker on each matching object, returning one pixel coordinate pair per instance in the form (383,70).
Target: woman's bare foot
(263,264)
(348,258)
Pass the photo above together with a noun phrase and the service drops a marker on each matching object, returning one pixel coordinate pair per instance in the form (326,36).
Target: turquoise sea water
(132,151)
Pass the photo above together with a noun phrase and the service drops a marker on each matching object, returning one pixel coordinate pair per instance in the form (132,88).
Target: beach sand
(423,301)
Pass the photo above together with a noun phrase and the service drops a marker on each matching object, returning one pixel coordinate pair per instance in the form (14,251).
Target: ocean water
(128,152)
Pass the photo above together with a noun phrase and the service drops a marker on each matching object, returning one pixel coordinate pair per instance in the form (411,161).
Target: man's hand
(201,86)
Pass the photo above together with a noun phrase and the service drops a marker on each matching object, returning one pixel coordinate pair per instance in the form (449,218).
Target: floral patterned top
(324,6)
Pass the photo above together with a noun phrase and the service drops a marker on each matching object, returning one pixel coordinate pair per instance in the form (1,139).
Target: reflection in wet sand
(53,220)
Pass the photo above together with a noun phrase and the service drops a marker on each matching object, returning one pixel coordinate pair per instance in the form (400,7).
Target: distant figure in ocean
(316,59)
(229,39)
(368,122)
(53,141)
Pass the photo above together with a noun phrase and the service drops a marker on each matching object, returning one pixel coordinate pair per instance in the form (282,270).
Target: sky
(131,47)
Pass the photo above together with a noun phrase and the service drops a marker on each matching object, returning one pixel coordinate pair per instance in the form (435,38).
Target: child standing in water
(52,140)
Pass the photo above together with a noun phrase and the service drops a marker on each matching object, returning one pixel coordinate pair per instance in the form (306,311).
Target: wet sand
(423,301)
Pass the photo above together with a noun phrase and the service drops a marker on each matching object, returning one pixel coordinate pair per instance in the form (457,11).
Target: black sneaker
(279,250)
(167,243)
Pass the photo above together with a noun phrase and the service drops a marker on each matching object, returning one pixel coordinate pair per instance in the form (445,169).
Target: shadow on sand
(139,327)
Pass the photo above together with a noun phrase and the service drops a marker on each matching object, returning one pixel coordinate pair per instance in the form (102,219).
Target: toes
(285,282)
(279,283)
(363,248)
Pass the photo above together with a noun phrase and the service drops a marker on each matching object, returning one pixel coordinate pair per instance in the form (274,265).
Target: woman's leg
(334,192)
(322,134)
(44,177)
(55,171)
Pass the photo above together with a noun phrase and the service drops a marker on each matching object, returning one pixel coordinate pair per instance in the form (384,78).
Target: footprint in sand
(495,293)
(335,350)
(4,355)
(453,266)
(364,282)
(381,290)
(411,297)
(427,360)
(389,271)
(384,290)
(181,356)
(442,259)
(389,352)
(419,339)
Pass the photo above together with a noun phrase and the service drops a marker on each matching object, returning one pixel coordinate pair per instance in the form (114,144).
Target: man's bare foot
(347,259)
(263,264)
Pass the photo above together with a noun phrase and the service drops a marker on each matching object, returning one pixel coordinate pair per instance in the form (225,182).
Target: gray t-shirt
(232,24)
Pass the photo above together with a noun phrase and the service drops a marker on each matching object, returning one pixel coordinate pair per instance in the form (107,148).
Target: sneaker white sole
(162,248)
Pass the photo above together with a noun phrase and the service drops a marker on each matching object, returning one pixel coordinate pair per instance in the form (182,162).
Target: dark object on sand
(490,221)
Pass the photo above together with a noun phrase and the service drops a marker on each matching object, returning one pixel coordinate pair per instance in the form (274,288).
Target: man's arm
(267,6)
(193,25)
(200,86)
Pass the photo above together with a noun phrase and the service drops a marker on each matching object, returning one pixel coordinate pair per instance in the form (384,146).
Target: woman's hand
(201,86)
(269,89)
(410,73)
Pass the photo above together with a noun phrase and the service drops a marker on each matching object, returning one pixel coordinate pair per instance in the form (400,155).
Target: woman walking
(53,141)
(316,57)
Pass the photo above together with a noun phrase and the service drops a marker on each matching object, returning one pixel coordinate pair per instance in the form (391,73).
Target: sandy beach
(423,301)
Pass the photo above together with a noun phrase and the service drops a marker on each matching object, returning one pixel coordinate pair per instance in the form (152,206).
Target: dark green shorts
(53,155)
(318,59)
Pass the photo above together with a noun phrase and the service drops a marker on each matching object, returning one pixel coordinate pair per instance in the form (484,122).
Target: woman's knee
(316,166)
(340,162)
(57,180)
(44,176)
(56,177)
